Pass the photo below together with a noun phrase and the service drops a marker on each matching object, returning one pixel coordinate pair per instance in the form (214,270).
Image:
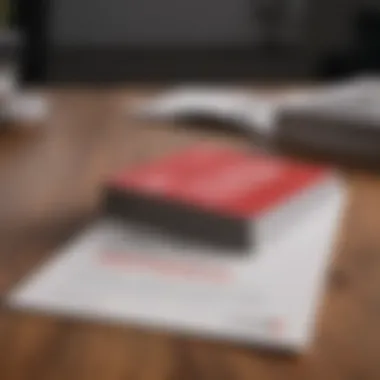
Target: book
(342,128)
(252,112)
(218,195)
(225,107)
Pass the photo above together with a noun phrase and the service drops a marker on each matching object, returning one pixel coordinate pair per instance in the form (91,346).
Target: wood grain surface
(50,181)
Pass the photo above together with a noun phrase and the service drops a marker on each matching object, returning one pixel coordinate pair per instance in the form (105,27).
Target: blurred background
(65,142)
(116,40)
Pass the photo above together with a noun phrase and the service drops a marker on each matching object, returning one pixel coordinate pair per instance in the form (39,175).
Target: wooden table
(49,187)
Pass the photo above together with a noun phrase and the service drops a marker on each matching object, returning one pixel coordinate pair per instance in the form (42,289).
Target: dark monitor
(124,40)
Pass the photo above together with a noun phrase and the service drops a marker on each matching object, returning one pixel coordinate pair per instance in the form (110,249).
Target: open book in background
(225,107)
(337,122)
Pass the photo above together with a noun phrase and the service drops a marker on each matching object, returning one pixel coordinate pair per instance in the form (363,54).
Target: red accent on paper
(221,179)
(167,267)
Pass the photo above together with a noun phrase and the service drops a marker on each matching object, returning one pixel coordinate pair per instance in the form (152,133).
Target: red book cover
(220,179)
